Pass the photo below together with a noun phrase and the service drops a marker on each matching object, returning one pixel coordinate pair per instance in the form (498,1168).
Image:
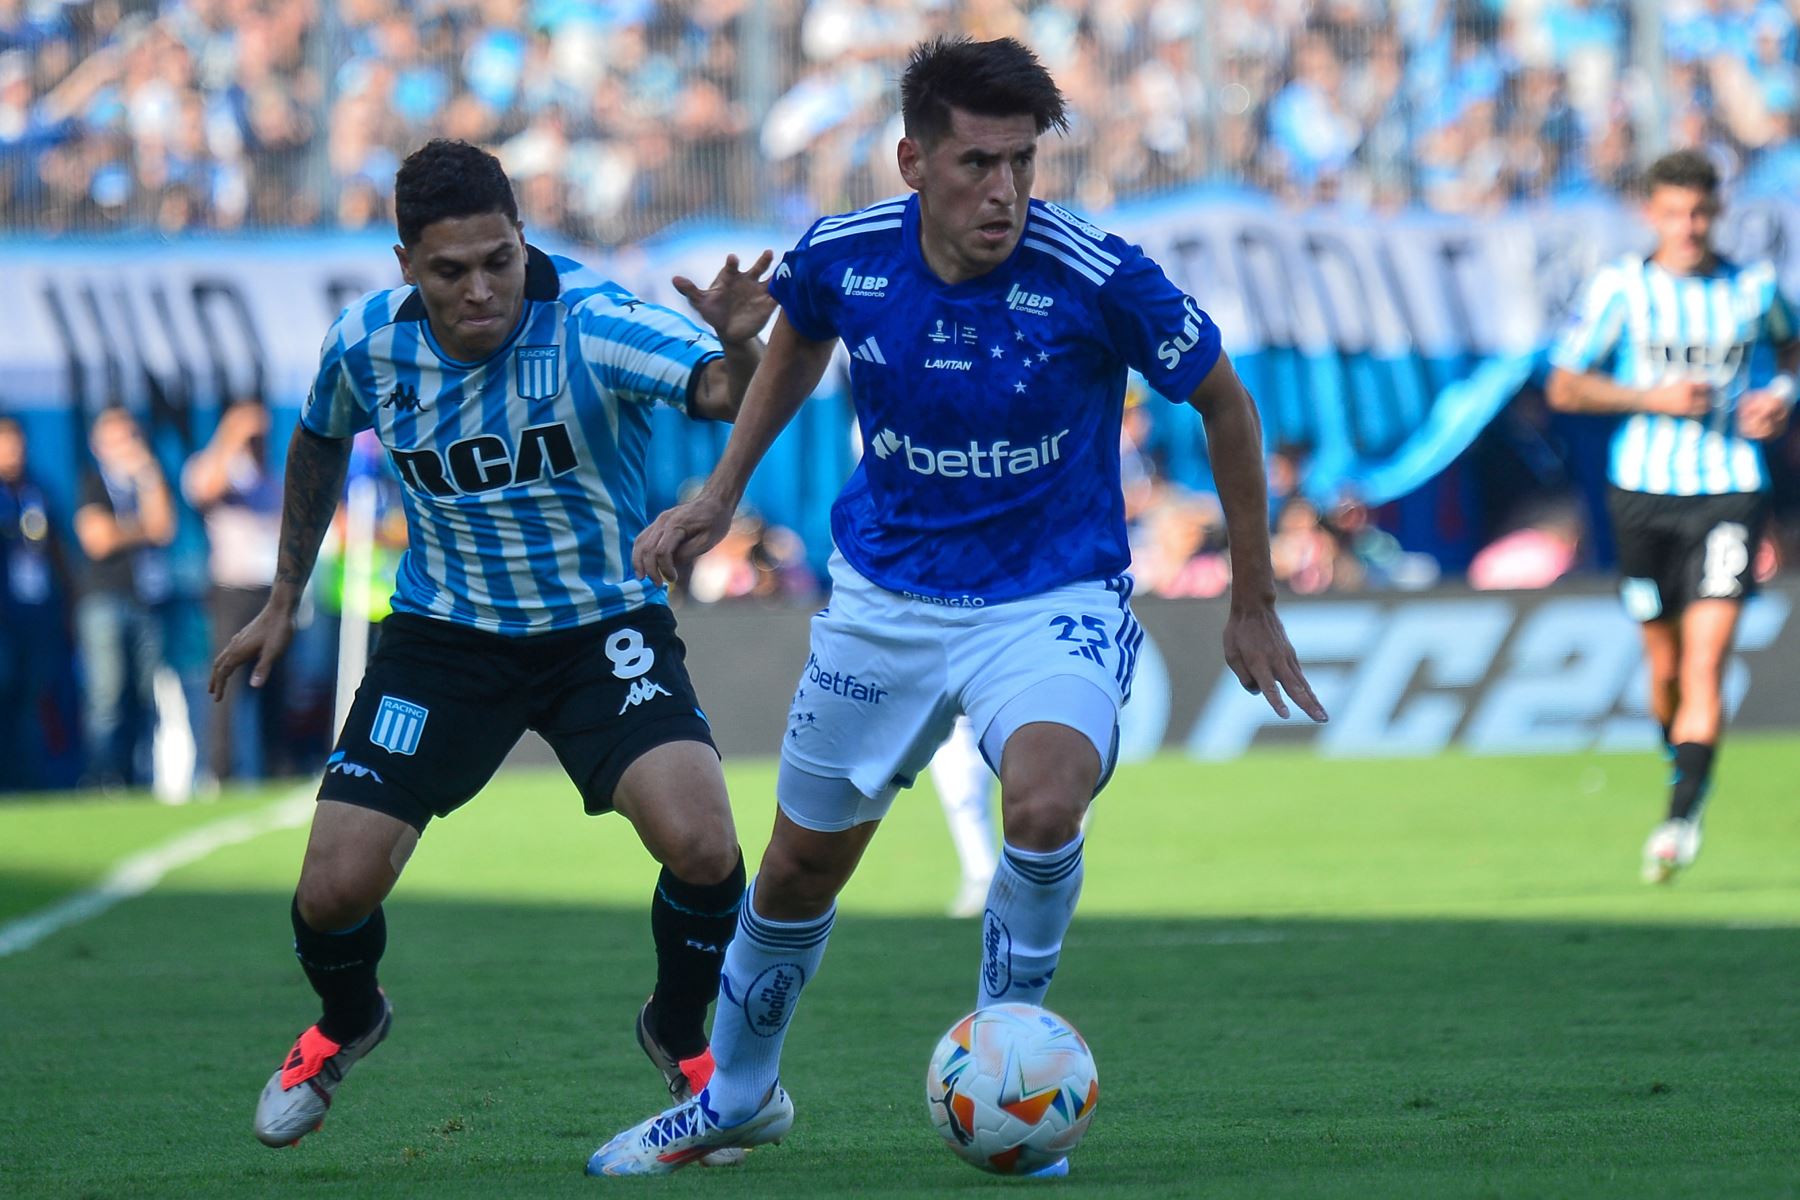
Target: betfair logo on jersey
(1170,352)
(864,285)
(485,464)
(992,461)
(1020,300)
(641,690)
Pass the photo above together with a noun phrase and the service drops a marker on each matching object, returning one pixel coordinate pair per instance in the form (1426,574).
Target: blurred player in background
(981,548)
(512,390)
(1696,354)
(964,784)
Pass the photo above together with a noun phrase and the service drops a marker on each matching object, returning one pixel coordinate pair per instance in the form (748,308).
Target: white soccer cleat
(1673,845)
(673,1139)
(295,1099)
(683,1076)
(971,897)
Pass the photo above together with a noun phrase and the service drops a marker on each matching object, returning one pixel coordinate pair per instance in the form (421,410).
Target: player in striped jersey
(1696,355)
(981,562)
(512,390)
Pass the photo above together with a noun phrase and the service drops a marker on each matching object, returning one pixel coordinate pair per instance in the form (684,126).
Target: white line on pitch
(138,874)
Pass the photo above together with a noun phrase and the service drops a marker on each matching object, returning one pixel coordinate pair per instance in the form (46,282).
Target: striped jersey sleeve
(1595,326)
(806,309)
(335,406)
(639,351)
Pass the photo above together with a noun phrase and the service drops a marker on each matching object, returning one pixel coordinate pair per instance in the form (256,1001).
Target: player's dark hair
(1000,78)
(445,178)
(1683,169)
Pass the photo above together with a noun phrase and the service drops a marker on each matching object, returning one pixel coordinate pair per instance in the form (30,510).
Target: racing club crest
(540,371)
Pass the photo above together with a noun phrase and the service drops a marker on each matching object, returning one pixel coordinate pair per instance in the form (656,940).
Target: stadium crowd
(619,118)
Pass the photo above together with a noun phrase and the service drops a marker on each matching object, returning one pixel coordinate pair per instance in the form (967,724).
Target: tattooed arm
(315,478)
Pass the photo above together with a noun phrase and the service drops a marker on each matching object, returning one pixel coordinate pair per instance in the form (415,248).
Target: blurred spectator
(33,627)
(1305,554)
(1535,555)
(620,119)
(124,521)
(754,561)
(230,485)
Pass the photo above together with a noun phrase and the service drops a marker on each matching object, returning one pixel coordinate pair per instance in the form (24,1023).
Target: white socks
(766,965)
(1028,911)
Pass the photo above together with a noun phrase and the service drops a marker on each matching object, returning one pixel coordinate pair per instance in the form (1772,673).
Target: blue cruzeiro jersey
(523,473)
(989,409)
(1719,328)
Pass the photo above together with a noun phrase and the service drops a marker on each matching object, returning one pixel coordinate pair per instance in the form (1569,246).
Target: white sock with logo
(1028,912)
(766,966)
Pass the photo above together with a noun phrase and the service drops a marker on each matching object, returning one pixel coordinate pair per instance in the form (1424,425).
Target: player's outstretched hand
(1762,415)
(261,641)
(679,536)
(736,303)
(1259,654)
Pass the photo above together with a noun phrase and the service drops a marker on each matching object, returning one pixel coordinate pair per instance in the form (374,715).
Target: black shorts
(1674,550)
(441,705)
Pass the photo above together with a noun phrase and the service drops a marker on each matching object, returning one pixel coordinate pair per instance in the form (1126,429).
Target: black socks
(1693,772)
(692,924)
(341,968)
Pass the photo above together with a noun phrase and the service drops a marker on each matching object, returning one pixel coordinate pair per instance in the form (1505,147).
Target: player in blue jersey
(981,549)
(512,390)
(1695,355)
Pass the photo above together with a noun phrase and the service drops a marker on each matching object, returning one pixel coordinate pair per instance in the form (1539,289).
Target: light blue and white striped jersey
(1721,328)
(523,473)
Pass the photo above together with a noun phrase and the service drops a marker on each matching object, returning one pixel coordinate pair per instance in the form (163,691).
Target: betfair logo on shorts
(840,684)
(874,286)
(641,690)
(992,461)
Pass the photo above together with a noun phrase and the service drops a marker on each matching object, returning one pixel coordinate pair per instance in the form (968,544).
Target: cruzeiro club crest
(540,371)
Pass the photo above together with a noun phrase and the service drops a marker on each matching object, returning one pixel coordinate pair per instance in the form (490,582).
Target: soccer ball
(1011,1088)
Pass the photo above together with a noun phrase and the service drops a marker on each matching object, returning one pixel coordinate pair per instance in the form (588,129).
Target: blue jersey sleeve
(641,352)
(797,289)
(334,407)
(1158,329)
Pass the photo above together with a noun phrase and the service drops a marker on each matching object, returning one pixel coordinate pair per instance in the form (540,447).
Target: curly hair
(445,178)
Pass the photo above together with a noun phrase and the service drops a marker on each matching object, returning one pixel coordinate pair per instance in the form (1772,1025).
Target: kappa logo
(1020,300)
(871,286)
(869,352)
(405,398)
(339,765)
(641,690)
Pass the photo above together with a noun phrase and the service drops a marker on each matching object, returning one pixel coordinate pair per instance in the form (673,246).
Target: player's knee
(1042,822)
(331,902)
(703,857)
(792,884)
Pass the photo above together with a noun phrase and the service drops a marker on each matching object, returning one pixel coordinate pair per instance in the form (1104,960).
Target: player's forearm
(316,467)
(741,360)
(1234,444)
(1587,392)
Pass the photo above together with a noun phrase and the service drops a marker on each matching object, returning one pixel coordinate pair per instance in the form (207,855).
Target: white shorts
(887,677)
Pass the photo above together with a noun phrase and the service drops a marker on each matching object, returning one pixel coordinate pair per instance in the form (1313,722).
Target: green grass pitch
(1301,978)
